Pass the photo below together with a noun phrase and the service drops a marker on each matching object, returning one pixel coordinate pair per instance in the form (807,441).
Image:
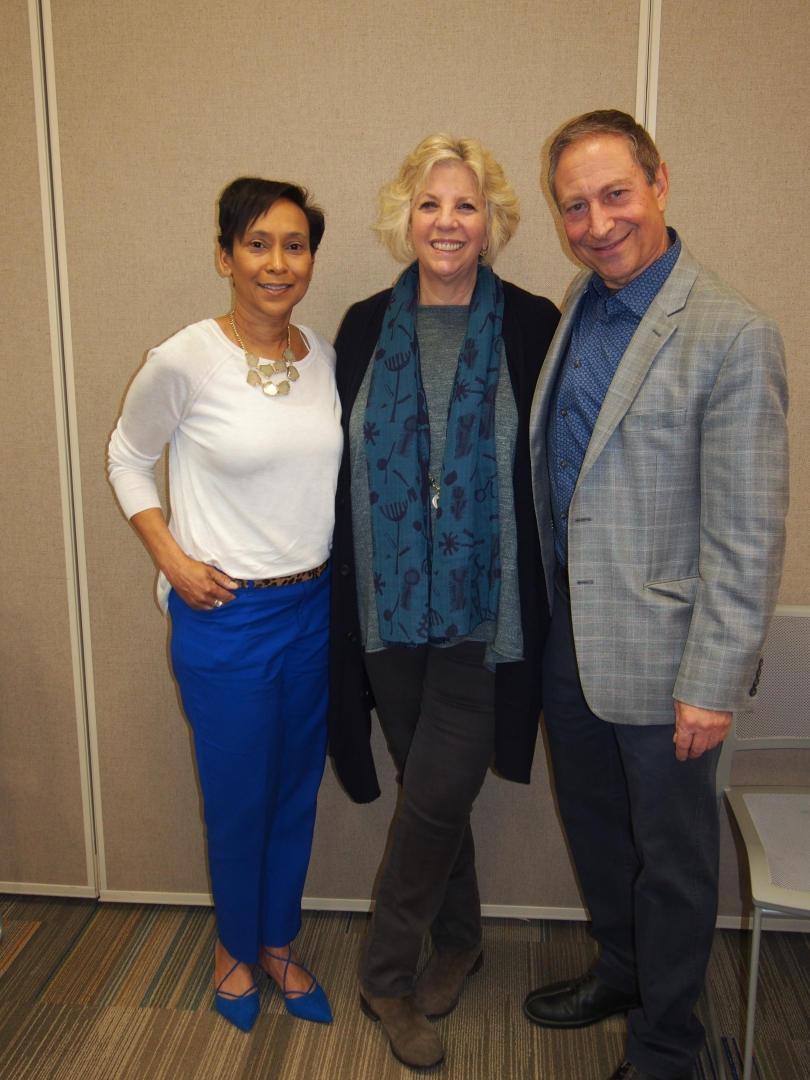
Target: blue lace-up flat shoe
(241,1009)
(309,1004)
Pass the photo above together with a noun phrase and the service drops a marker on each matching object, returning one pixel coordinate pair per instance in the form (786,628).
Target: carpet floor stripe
(132,1000)
(16,936)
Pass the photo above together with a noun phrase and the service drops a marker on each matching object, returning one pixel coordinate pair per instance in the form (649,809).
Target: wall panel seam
(50,177)
(649,51)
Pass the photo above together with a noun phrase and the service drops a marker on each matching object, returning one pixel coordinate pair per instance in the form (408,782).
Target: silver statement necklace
(262,374)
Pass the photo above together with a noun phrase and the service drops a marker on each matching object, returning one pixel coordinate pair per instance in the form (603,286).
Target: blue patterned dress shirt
(604,323)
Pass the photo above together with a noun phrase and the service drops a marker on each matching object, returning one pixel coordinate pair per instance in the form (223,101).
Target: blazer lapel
(654,330)
(537,425)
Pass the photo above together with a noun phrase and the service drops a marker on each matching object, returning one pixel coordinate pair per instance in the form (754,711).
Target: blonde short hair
(397,198)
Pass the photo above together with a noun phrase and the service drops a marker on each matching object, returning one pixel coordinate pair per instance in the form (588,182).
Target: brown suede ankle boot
(438,987)
(414,1040)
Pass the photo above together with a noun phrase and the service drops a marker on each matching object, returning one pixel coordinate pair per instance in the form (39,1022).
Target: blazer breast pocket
(638,422)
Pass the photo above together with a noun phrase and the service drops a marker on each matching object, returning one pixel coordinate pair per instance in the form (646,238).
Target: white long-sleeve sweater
(251,478)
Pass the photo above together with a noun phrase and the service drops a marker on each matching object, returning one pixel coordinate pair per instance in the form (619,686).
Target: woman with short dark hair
(248,405)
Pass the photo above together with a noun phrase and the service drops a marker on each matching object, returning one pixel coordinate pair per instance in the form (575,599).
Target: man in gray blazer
(660,469)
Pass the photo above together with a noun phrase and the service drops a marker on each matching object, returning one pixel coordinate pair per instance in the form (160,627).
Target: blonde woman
(438,615)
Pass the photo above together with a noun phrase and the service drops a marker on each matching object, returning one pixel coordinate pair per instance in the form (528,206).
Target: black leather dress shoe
(577,1003)
(626,1071)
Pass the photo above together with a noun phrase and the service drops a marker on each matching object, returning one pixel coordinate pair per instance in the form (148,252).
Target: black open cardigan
(529,323)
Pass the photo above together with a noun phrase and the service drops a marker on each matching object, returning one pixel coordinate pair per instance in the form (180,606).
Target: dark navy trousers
(253,680)
(644,832)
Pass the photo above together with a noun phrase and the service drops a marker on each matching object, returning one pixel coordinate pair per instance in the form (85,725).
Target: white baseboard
(31,888)
(489,911)
(769,922)
(523,911)
(329,903)
(563,914)
(130,896)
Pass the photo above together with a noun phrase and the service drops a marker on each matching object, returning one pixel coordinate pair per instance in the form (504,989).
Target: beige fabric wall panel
(732,123)
(521,855)
(42,834)
(160,106)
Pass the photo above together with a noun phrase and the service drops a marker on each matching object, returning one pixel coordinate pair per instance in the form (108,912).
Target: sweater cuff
(136,493)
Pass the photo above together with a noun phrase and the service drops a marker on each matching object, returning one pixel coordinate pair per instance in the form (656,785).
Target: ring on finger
(217,603)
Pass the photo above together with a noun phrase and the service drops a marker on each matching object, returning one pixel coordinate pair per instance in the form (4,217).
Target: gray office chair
(774,821)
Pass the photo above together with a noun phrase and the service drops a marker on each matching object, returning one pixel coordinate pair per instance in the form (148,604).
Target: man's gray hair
(605,122)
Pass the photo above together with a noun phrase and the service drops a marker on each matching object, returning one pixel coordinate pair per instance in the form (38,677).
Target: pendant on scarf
(434,499)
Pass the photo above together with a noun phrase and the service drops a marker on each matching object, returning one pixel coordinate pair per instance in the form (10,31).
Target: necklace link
(261,375)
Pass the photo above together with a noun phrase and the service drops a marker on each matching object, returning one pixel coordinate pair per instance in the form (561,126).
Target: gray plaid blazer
(676,528)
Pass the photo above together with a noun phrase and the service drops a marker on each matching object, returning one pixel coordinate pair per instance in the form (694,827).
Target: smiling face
(613,218)
(271,264)
(448,229)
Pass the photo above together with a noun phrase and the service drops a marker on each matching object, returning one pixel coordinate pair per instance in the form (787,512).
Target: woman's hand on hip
(201,586)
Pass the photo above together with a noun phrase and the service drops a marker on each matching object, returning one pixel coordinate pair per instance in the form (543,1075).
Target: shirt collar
(640,292)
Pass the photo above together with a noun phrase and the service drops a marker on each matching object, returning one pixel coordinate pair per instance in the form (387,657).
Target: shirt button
(563,517)
(563,464)
(576,363)
(344,570)
(352,637)
(563,412)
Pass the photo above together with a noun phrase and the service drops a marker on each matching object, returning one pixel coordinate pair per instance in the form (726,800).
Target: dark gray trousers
(644,833)
(436,707)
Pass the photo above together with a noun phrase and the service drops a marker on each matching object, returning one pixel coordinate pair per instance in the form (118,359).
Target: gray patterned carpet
(124,992)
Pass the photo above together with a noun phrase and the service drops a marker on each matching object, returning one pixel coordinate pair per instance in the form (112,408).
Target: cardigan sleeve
(350,697)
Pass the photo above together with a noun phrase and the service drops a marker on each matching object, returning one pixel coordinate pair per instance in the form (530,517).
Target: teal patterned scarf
(433,589)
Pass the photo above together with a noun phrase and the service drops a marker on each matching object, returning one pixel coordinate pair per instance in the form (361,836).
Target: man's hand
(697,730)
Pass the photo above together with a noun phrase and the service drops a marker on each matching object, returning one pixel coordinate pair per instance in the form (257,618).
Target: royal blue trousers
(253,680)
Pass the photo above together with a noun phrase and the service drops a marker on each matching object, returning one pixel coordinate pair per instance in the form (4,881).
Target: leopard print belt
(287,579)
